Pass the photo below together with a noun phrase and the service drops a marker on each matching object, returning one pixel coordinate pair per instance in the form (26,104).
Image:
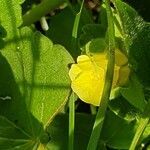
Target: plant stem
(142,125)
(74,41)
(71,122)
(77,21)
(72,98)
(40,10)
(93,110)
(95,135)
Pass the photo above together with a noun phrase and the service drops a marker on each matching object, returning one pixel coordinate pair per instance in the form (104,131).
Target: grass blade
(142,125)
(71,121)
(72,98)
(95,135)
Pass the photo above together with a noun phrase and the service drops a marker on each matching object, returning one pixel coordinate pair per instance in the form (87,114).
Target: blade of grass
(76,22)
(72,98)
(74,42)
(71,121)
(142,125)
(95,135)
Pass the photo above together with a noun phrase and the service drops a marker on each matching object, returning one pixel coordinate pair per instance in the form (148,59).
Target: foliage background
(34,69)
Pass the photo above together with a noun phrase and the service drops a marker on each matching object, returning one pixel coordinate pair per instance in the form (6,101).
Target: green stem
(93,109)
(95,135)
(40,10)
(76,22)
(142,125)
(71,122)
(72,98)
(74,41)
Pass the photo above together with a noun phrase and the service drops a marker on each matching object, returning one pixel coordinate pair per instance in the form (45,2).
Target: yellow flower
(88,75)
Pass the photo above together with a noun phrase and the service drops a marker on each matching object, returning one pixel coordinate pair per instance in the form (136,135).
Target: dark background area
(142,6)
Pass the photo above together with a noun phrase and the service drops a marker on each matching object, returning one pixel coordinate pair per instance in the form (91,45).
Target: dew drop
(18,48)
(142,145)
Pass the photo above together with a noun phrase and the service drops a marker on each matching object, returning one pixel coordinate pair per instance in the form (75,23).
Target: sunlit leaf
(136,39)
(34,81)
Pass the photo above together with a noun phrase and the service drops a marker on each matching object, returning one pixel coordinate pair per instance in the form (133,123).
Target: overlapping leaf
(59,135)
(136,37)
(34,82)
(119,133)
(61,26)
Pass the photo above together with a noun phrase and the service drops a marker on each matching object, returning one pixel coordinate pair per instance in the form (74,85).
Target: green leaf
(117,133)
(38,81)
(91,31)
(13,137)
(102,19)
(61,26)
(123,109)
(34,81)
(134,93)
(146,134)
(141,54)
(130,21)
(40,68)
(58,131)
(11,16)
(96,46)
(136,38)
(143,122)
